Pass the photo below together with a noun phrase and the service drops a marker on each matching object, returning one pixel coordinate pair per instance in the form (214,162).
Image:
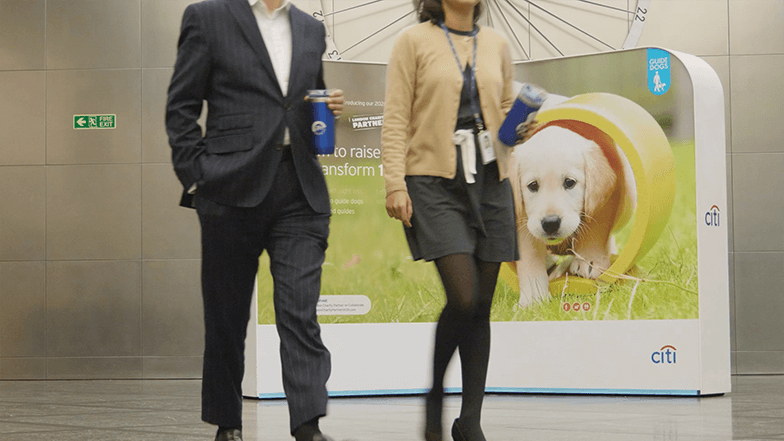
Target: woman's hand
(399,207)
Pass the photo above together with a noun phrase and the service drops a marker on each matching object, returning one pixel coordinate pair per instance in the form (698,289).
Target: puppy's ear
(517,190)
(600,179)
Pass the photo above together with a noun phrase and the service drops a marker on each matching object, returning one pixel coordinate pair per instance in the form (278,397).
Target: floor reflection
(169,410)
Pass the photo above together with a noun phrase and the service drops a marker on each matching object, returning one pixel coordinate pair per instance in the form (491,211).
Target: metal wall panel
(733,314)
(762,362)
(160,31)
(757,98)
(115,368)
(23,213)
(172,312)
(749,33)
(168,230)
(22,38)
(758,301)
(22,117)
(23,368)
(103,92)
(22,308)
(93,34)
(730,216)
(757,203)
(93,309)
(698,27)
(93,212)
(172,367)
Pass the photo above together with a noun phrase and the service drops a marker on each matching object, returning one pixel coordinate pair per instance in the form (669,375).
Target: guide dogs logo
(712,217)
(659,77)
(665,355)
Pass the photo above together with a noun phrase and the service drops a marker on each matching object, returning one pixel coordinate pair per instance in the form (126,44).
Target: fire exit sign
(94,122)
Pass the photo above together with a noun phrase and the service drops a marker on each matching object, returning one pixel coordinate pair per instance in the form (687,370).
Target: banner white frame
(601,357)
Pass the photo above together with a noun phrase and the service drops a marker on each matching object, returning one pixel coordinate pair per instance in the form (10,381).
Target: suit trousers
(233,238)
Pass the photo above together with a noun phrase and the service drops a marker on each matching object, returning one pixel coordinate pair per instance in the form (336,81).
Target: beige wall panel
(23,216)
(22,309)
(757,103)
(93,34)
(102,92)
(155,143)
(93,309)
(172,312)
(696,27)
(161,22)
(762,362)
(757,203)
(168,230)
(22,38)
(22,368)
(93,212)
(22,117)
(172,367)
(756,27)
(94,368)
(759,305)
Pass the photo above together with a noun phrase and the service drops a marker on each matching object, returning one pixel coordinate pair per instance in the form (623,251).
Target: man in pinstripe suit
(257,185)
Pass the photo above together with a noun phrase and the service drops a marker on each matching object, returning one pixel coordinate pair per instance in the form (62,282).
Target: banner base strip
(502,390)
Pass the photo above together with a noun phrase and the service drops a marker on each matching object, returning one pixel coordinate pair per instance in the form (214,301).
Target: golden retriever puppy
(572,187)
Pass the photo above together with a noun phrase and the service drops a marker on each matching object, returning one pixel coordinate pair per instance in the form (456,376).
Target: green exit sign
(95,122)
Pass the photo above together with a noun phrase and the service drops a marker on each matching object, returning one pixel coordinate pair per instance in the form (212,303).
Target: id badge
(486,147)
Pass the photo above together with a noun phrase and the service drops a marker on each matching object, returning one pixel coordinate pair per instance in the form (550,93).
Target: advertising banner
(628,293)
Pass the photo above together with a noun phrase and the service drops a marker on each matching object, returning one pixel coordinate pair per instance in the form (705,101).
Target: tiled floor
(169,410)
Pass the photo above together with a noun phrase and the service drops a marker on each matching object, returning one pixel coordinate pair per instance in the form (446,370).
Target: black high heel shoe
(434,403)
(463,433)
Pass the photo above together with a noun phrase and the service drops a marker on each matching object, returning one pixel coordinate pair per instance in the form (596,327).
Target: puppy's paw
(533,290)
(590,267)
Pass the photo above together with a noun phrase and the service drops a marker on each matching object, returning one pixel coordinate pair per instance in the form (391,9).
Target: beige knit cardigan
(423,96)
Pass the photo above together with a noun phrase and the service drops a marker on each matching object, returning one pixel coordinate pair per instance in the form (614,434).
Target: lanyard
(474,105)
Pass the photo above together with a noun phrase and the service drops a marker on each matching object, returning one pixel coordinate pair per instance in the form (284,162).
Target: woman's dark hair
(433,10)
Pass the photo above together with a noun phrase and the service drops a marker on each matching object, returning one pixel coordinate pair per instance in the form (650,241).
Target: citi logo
(712,217)
(665,355)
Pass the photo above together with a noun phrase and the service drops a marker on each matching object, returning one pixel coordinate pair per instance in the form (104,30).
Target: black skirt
(451,216)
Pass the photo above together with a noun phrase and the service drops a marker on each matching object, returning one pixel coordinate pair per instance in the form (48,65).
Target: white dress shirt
(275,29)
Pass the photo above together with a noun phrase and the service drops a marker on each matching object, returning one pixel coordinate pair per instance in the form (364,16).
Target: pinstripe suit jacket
(222,59)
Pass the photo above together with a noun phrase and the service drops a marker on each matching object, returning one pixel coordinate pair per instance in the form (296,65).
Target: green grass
(368,255)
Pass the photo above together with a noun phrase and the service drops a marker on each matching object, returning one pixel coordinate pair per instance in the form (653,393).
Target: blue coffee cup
(323,126)
(528,102)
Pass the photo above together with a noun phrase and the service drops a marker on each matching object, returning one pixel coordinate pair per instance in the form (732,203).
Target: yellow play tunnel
(645,145)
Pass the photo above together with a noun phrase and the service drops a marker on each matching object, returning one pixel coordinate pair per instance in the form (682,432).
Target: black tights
(464,323)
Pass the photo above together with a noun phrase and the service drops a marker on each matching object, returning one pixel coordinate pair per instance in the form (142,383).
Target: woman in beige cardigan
(448,88)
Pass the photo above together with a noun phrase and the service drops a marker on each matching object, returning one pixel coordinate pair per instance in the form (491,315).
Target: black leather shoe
(461,433)
(229,435)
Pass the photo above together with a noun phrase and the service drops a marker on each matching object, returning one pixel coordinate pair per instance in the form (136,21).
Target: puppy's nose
(551,224)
